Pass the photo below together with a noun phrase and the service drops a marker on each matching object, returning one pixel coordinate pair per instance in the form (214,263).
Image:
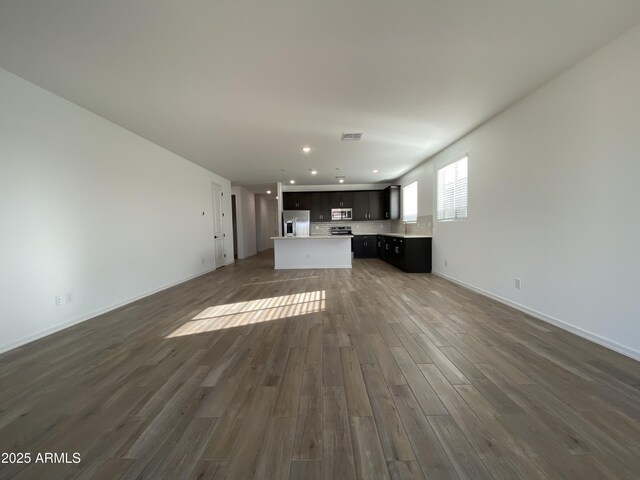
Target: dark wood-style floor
(366,373)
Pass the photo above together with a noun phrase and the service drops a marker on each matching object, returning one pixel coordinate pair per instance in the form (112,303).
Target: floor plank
(337,452)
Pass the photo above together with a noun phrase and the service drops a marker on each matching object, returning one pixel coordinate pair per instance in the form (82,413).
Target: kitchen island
(314,251)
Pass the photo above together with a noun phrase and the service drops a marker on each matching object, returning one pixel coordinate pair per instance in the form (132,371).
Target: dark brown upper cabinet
(296,201)
(368,205)
(392,202)
(341,199)
(320,206)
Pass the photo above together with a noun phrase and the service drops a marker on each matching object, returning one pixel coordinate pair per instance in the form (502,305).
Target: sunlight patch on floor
(250,312)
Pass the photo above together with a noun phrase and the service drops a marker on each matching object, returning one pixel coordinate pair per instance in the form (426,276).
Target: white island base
(316,251)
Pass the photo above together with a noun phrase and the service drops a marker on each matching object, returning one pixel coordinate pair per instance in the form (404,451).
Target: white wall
(90,208)
(246,221)
(554,199)
(267,221)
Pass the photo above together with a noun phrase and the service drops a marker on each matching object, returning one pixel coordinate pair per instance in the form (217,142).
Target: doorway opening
(234,222)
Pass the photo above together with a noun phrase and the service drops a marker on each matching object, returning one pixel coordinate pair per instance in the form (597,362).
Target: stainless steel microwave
(341,213)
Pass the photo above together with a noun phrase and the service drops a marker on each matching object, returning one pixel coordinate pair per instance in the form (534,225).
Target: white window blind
(452,190)
(410,202)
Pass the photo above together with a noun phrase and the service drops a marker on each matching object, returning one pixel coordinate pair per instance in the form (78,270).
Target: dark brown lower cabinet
(409,254)
(364,246)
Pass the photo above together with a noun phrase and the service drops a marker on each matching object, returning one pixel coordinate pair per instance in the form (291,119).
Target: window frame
(455,218)
(415,182)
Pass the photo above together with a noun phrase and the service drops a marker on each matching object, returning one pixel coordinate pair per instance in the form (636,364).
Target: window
(410,202)
(452,190)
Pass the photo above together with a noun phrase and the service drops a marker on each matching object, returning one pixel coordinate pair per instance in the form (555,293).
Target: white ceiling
(240,86)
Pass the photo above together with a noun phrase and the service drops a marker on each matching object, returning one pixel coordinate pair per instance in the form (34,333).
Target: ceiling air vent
(351,137)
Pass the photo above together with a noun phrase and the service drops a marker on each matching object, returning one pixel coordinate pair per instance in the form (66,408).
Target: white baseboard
(605,342)
(83,318)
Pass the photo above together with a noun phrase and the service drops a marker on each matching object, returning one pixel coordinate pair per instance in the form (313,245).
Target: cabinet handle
(387,246)
(386,215)
(397,251)
(378,244)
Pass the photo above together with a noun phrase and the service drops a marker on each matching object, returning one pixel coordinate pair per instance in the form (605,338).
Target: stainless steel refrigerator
(295,223)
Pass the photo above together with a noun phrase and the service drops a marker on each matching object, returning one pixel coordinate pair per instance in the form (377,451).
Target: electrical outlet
(446,263)
(518,283)
(58,300)
(203,260)
(69,297)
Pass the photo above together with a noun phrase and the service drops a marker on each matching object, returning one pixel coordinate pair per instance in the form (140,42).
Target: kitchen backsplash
(424,226)
(358,228)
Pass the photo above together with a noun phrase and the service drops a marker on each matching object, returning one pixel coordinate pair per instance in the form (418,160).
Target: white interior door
(218,231)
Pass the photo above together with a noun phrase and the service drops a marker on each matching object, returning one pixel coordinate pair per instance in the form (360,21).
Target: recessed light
(268,192)
(375,171)
(341,180)
(306,149)
(292,181)
(276,197)
(313,171)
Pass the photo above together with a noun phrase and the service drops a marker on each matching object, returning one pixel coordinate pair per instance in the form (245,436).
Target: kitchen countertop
(319,237)
(313,237)
(408,235)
